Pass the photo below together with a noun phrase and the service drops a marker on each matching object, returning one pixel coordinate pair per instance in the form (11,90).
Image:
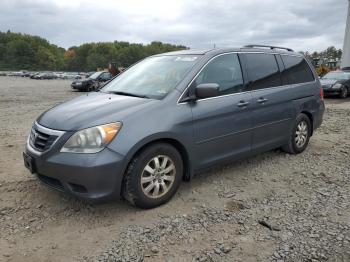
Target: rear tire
(343,92)
(153,176)
(300,136)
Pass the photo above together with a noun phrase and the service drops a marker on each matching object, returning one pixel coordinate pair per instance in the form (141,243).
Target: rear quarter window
(262,70)
(296,70)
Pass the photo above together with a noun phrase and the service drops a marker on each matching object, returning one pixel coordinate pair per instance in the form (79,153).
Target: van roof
(214,51)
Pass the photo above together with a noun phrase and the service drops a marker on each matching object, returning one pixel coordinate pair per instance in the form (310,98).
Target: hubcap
(158,176)
(344,92)
(301,134)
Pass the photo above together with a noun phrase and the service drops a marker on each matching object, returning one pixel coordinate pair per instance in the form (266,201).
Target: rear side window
(296,70)
(263,71)
(224,70)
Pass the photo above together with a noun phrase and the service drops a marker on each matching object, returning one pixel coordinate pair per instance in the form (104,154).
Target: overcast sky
(299,24)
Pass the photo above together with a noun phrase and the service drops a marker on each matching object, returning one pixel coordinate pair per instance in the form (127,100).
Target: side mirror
(207,90)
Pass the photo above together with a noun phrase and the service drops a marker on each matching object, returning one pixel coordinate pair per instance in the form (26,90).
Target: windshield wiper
(127,94)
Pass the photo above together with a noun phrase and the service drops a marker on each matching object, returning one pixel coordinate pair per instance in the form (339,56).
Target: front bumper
(78,87)
(94,177)
(331,90)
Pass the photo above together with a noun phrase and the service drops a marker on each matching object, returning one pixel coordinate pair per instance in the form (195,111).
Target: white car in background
(71,75)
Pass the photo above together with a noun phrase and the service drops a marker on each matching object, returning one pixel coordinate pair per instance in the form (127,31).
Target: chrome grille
(41,141)
(41,138)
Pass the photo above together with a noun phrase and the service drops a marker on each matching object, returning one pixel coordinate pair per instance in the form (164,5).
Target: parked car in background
(172,115)
(93,82)
(34,75)
(336,83)
(58,75)
(45,75)
(26,74)
(71,75)
(89,74)
(18,73)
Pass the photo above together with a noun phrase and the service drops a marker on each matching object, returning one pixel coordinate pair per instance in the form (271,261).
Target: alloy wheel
(301,134)
(344,92)
(158,176)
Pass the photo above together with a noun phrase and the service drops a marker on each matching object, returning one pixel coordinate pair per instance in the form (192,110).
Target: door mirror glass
(207,90)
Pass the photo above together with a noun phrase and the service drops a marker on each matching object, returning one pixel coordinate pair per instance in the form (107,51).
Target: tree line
(20,51)
(331,53)
(26,52)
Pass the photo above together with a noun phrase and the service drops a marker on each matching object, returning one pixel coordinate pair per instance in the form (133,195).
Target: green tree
(21,51)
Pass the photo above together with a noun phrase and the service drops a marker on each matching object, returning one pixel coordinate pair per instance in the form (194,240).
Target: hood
(90,110)
(83,80)
(327,82)
(330,82)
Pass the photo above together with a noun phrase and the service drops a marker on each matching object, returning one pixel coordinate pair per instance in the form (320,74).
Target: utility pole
(345,64)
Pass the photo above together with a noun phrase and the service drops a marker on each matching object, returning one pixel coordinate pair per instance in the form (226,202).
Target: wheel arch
(179,146)
(311,118)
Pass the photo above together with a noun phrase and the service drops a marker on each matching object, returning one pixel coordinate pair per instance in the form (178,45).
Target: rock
(276,255)
(230,195)
(225,249)
(203,258)
(217,251)
(154,250)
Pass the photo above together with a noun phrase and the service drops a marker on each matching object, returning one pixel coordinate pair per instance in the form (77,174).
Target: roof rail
(271,47)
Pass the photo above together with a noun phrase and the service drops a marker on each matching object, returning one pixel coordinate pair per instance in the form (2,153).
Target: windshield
(95,75)
(153,77)
(337,76)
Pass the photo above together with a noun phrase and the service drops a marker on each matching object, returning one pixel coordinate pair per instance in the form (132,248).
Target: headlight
(92,140)
(336,86)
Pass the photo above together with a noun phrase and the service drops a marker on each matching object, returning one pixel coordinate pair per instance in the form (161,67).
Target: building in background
(346,48)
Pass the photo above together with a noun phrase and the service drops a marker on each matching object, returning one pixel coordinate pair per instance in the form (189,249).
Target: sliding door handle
(242,104)
(262,100)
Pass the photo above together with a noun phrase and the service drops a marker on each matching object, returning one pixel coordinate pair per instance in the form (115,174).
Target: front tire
(153,176)
(343,92)
(300,136)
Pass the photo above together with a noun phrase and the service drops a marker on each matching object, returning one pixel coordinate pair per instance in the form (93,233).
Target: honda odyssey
(171,115)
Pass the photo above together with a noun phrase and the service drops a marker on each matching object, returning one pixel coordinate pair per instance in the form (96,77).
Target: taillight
(321,93)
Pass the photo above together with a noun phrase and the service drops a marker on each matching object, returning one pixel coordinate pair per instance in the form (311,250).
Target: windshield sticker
(186,58)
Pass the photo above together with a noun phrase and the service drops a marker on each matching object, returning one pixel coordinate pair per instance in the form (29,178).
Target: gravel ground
(272,207)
